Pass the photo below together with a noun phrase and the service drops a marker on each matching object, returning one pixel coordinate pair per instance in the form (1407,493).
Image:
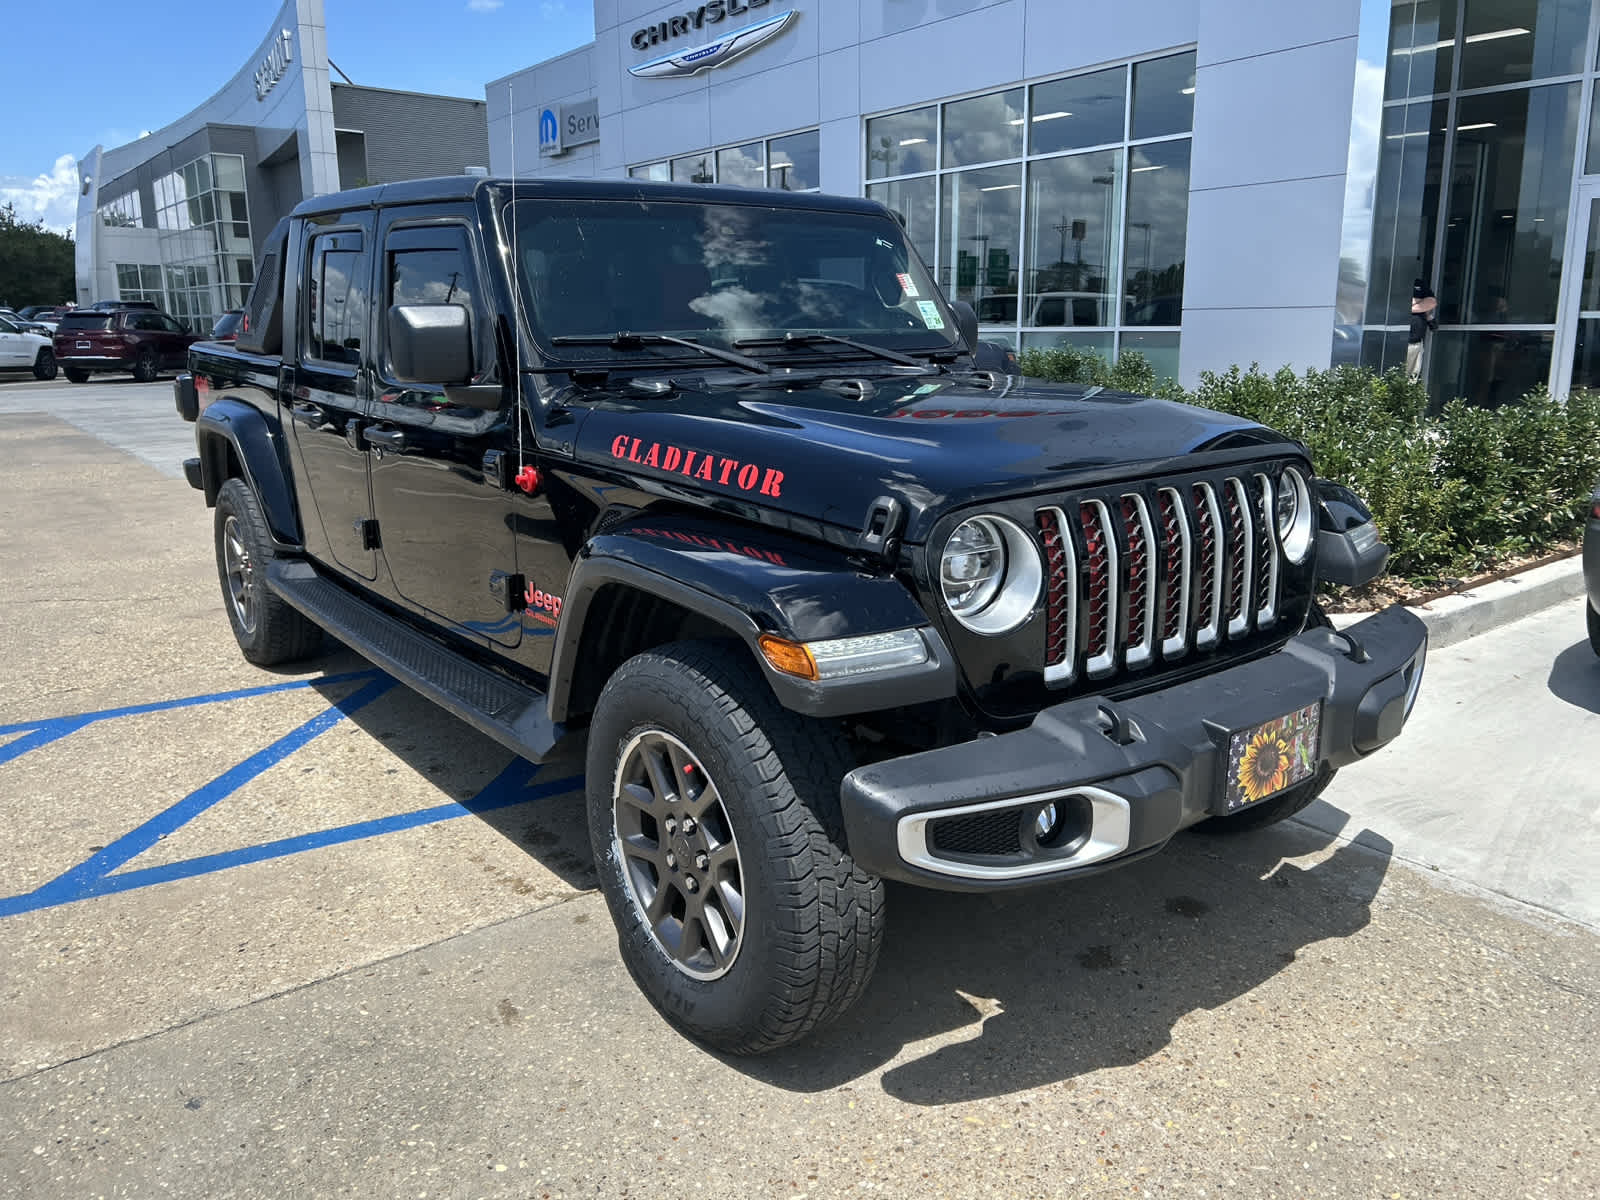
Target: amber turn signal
(792,658)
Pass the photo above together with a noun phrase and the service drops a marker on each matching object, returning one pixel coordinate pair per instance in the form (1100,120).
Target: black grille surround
(1147,581)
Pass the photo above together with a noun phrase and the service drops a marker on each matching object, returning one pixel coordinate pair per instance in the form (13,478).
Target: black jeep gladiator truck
(707,482)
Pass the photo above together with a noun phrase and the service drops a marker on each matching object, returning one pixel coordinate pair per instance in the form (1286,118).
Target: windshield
(719,274)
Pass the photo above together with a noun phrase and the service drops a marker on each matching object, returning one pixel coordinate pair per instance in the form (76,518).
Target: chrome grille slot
(1061,597)
(1266,555)
(1100,594)
(1179,561)
(1140,638)
(1208,577)
(1241,557)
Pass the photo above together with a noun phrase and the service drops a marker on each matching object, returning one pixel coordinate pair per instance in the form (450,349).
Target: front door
(446,528)
(1579,348)
(15,350)
(327,386)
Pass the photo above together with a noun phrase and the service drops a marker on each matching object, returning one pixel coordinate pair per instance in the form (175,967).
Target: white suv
(21,351)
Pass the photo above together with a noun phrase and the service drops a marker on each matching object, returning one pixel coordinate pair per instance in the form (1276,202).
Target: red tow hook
(528,479)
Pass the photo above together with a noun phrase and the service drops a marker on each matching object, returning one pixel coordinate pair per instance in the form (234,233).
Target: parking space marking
(99,875)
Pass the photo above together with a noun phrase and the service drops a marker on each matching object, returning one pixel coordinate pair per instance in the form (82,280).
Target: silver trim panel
(1109,833)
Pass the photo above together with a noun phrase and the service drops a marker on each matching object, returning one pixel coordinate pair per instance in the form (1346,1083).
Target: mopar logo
(568,125)
(549,132)
(705,55)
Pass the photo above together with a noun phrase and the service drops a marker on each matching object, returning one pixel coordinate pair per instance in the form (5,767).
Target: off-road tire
(76,374)
(44,365)
(145,365)
(1287,803)
(1594,627)
(812,920)
(268,630)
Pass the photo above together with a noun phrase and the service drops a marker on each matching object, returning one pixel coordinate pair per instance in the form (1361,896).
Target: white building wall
(1273,105)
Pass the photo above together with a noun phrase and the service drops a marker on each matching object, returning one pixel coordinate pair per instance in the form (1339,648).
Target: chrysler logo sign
(702,56)
(278,57)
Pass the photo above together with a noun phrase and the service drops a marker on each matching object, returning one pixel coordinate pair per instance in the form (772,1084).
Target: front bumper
(1130,774)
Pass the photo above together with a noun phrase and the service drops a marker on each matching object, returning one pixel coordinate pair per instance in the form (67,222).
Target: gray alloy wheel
(145,366)
(679,854)
(239,573)
(44,366)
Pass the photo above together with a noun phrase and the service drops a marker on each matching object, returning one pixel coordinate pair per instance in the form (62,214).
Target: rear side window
(86,321)
(336,309)
(433,265)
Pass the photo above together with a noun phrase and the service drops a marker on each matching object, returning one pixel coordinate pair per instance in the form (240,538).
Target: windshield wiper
(624,340)
(798,341)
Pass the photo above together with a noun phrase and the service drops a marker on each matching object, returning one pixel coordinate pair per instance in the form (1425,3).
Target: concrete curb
(1455,618)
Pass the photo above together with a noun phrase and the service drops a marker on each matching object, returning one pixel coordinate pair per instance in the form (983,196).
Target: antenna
(516,283)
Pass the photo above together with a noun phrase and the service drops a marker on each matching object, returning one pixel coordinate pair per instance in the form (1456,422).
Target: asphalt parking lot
(300,933)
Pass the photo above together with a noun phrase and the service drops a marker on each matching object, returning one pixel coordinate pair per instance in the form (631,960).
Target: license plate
(1268,758)
(83,345)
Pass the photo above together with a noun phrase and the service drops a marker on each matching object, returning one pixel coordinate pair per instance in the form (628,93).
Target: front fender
(750,582)
(235,438)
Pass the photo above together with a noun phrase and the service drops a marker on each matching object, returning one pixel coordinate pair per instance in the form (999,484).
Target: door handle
(306,414)
(389,439)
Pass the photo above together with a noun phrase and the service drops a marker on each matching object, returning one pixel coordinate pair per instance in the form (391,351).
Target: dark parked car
(227,327)
(108,305)
(140,340)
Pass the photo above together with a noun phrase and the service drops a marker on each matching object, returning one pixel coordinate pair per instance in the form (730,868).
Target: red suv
(140,340)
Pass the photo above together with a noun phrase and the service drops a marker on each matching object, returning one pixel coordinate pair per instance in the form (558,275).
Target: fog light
(1047,822)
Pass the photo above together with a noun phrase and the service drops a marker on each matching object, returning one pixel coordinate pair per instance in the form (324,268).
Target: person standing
(1424,320)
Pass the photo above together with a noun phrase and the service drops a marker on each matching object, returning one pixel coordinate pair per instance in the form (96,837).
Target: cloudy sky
(101,72)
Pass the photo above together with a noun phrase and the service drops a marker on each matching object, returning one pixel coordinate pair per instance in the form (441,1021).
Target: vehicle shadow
(1575,677)
(1057,982)
(539,809)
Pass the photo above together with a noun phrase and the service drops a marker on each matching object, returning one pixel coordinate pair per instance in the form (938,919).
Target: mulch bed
(1391,589)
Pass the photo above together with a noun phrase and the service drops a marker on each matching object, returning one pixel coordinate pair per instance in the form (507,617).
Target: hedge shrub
(1452,493)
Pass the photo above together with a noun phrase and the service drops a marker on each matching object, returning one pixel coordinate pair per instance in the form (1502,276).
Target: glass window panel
(693,168)
(1513,41)
(338,311)
(1405,207)
(1086,110)
(1487,368)
(741,166)
(1509,189)
(983,129)
(1592,161)
(202,174)
(902,144)
(915,203)
(794,162)
(660,172)
(1589,296)
(244,270)
(1158,232)
(1073,206)
(229,171)
(1163,96)
(208,208)
(980,233)
(150,276)
(1422,39)
(1098,343)
(1586,355)
(1159,349)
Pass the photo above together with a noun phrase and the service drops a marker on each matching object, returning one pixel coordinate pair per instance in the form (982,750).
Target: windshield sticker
(930,314)
(713,468)
(927,389)
(908,285)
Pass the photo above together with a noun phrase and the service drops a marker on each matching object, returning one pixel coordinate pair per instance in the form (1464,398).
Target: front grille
(981,833)
(1159,571)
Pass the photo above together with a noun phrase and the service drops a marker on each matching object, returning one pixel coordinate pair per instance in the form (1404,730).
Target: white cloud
(52,196)
(484,5)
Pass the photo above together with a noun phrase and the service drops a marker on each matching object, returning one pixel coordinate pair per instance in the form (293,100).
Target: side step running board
(512,714)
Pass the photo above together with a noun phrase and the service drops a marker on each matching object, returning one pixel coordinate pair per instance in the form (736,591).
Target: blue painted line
(132,710)
(81,880)
(41,735)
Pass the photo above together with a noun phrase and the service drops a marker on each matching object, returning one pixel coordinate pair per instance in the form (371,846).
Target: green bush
(1451,493)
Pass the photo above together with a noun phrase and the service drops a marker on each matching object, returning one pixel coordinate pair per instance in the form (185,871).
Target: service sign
(685,38)
(563,127)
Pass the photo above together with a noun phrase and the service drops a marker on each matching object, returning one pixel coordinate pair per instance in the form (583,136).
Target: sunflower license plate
(1266,759)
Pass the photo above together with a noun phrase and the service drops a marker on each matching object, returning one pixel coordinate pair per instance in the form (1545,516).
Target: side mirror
(966,324)
(430,344)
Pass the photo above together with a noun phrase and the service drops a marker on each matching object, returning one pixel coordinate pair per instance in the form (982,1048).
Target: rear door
(327,382)
(174,339)
(446,528)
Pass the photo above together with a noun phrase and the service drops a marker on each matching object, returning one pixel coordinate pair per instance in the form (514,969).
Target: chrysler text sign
(278,57)
(565,126)
(695,54)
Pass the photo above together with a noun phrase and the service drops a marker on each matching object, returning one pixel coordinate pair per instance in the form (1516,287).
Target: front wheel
(44,366)
(714,818)
(267,629)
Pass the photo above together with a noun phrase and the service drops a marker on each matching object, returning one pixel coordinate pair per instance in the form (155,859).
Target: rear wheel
(714,817)
(44,366)
(76,374)
(267,629)
(145,365)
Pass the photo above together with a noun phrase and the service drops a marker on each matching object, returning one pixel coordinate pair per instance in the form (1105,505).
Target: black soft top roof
(467,187)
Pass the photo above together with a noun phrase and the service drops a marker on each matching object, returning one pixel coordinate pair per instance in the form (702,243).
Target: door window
(336,312)
(432,265)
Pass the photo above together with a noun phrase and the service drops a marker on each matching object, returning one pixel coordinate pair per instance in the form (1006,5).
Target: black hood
(824,448)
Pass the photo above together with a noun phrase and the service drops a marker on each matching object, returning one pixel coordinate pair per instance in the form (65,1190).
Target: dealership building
(1209,182)
(179,216)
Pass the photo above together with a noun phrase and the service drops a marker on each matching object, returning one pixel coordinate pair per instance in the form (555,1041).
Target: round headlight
(1294,515)
(990,575)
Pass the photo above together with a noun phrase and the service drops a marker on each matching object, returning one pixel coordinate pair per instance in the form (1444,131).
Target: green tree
(36,264)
